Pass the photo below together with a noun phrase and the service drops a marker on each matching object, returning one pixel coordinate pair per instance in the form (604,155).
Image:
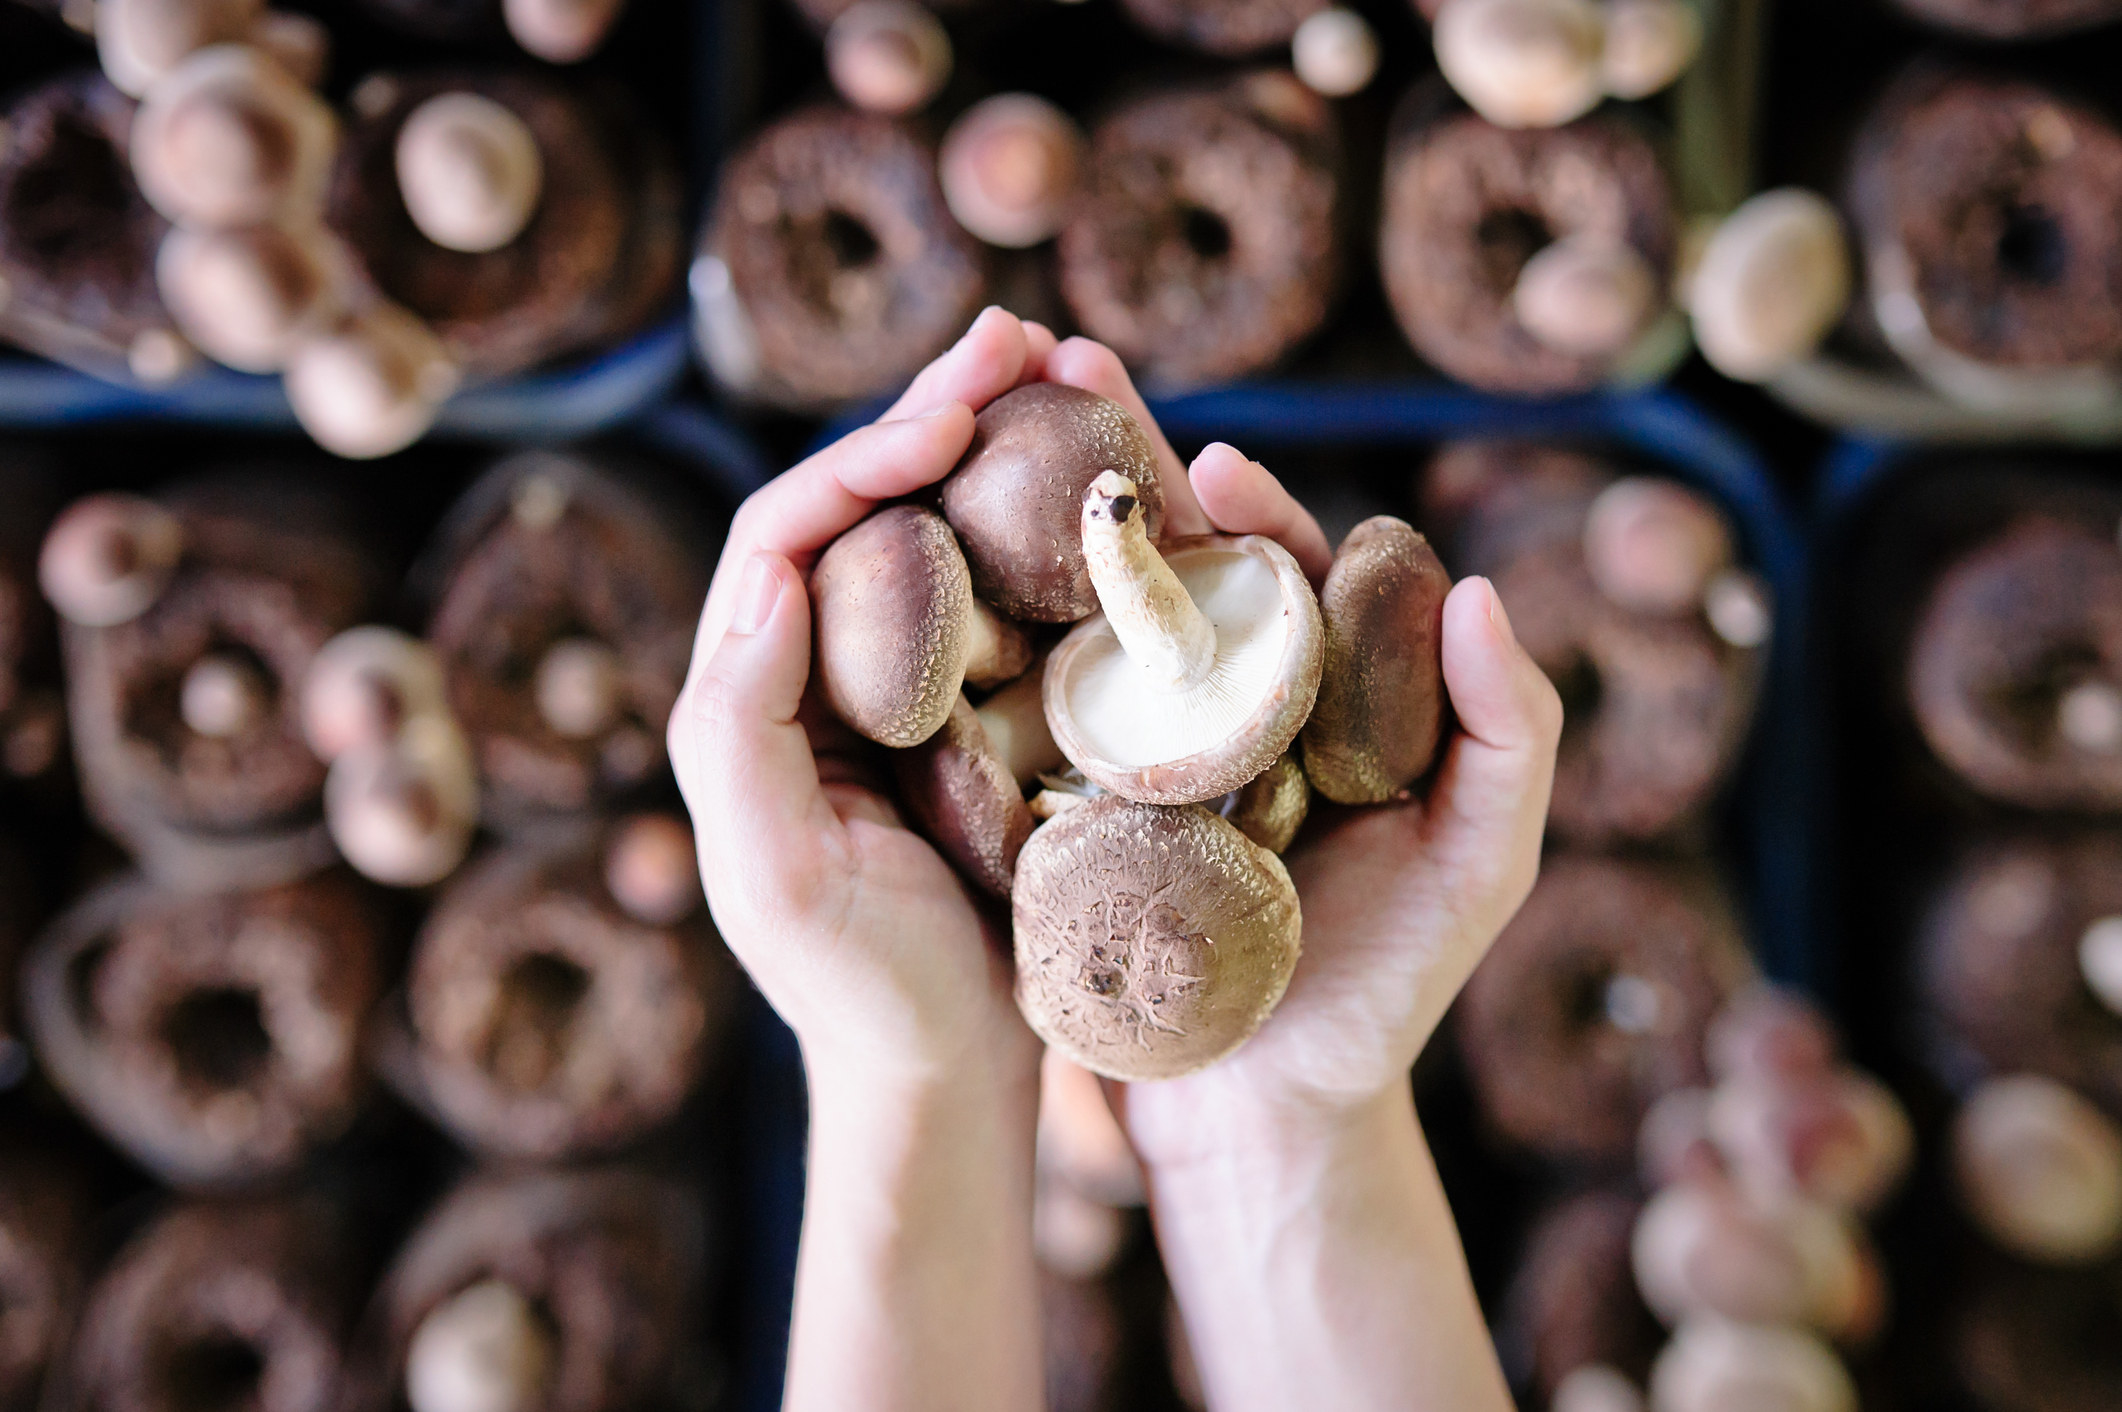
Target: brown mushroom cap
(898,632)
(1200,670)
(1150,942)
(1380,712)
(1271,809)
(1016,500)
(965,800)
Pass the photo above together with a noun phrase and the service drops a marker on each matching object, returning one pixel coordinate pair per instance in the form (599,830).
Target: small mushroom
(1653,546)
(1716,1365)
(2040,1170)
(1335,52)
(1200,670)
(965,800)
(2100,961)
(1381,705)
(898,630)
(1596,1387)
(1010,165)
(888,56)
(484,1349)
(652,870)
(469,171)
(1773,280)
(560,31)
(1016,499)
(108,557)
(580,687)
(298,43)
(372,386)
(228,138)
(1767,1031)
(138,41)
(246,297)
(1839,1137)
(364,685)
(1702,1247)
(1587,296)
(1271,809)
(1649,43)
(1523,63)
(404,813)
(222,696)
(1150,941)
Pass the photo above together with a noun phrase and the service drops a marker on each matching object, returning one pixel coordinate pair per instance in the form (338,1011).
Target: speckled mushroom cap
(2011,633)
(1271,809)
(1150,942)
(1381,706)
(897,629)
(1250,683)
(1016,498)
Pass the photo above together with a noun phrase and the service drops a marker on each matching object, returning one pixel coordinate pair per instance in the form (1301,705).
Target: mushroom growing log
(189,624)
(564,622)
(242,1304)
(565,1291)
(44,1225)
(564,997)
(1150,941)
(217,1039)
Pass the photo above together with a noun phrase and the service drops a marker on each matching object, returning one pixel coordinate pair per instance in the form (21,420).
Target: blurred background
(379,377)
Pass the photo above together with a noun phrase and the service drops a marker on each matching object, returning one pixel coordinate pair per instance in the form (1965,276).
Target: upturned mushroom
(1016,499)
(1150,941)
(1380,710)
(371,386)
(228,138)
(888,56)
(108,557)
(247,298)
(469,171)
(2040,1169)
(1773,280)
(1200,670)
(1523,63)
(1010,166)
(898,630)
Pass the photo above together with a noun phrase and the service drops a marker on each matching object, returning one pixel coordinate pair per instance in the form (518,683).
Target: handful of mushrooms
(1169,740)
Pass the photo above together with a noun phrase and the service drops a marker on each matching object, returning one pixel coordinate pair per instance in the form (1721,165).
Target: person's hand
(853,927)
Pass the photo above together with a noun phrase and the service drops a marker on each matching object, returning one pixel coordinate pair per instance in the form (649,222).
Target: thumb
(1489,806)
(743,760)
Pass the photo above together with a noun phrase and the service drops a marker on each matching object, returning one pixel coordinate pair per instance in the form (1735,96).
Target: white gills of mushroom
(1201,667)
(1150,941)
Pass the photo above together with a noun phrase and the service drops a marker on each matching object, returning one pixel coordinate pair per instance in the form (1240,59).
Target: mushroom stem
(482,1350)
(1015,721)
(1157,623)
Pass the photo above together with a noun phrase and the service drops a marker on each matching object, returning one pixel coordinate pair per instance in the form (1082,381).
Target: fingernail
(1497,616)
(756,595)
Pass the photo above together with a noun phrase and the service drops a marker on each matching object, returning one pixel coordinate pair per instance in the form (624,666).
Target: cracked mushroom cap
(965,800)
(1380,712)
(1200,670)
(1150,941)
(898,631)
(1016,500)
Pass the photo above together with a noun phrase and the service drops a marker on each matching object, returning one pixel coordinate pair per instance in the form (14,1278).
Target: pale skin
(1299,1215)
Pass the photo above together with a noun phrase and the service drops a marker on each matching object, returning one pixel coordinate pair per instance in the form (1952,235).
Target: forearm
(1327,1273)
(915,1285)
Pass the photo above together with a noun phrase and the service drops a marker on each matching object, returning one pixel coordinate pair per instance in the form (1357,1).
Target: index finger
(1079,362)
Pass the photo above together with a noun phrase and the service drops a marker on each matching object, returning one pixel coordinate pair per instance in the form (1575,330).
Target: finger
(1489,806)
(1039,345)
(1241,497)
(985,362)
(763,822)
(1093,367)
(810,505)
